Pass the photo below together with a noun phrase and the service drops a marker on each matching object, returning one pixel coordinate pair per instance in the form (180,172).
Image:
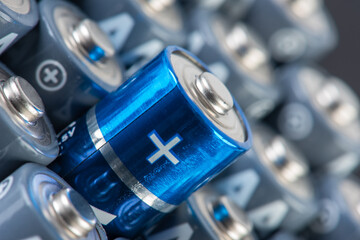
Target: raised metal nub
(73,213)
(304,8)
(213,93)
(341,112)
(23,99)
(92,41)
(231,220)
(282,159)
(160,5)
(250,55)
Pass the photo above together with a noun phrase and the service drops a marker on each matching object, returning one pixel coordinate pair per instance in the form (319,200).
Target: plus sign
(163,149)
(51,75)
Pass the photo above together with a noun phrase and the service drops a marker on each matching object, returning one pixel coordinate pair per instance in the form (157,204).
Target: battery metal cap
(303,8)
(166,13)
(231,220)
(221,217)
(210,95)
(92,48)
(18,6)
(245,48)
(92,40)
(73,212)
(213,93)
(23,99)
(285,162)
(160,5)
(334,99)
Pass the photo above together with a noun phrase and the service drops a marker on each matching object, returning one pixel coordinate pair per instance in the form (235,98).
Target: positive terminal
(92,41)
(283,160)
(23,99)
(213,93)
(73,213)
(231,220)
(304,8)
(160,5)
(250,56)
(330,98)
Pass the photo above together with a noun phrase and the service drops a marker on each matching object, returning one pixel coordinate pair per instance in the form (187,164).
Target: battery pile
(174,120)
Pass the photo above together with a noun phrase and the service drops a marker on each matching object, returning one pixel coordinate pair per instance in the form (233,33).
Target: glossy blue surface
(150,112)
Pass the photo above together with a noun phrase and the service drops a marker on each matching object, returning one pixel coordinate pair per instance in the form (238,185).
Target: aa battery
(293,29)
(145,148)
(27,134)
(320,115)
(37,204)
(17,19)
(271,183)
(231,9)
(139,29)
(68,60)
(206,215)
(285,236)
(339,215)
(236,55)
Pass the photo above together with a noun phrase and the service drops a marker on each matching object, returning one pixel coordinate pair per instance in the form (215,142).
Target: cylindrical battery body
(285,236)
(139,29)
(235,54)
(293,29)
(232,9)
(206,215)
(146,147)
(271,183)
(67,59)
(27,200)
(339,215)
(320,115)
(17,18)
(27,134)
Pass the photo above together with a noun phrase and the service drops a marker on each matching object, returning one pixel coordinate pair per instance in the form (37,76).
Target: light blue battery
(145,148)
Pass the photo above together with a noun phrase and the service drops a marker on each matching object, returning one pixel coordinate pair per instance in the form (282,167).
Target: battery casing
(338,216)
(137,31)
(22,141)
(291,37)
(256,90)
(105,154)
(16,20)
(67,81)
(202,217)
(23,198)
(300,119)
(261,188)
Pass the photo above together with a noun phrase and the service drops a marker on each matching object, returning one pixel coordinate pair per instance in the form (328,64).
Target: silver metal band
(120,169)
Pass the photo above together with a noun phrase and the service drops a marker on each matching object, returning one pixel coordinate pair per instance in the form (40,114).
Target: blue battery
(145,148)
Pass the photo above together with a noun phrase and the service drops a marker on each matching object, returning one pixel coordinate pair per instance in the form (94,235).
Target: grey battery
(139,29)
(232,9)
(339,216)
(27,134)
(69,61)
(294,29)
(206,215)
(43,206)
(320,115)
(285,236)
(236,55)
(271,183)
(17,18)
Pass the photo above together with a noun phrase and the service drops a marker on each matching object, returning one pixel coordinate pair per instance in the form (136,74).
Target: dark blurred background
(343,62)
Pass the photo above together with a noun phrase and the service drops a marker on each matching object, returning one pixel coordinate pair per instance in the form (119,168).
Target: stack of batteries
(112,126)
